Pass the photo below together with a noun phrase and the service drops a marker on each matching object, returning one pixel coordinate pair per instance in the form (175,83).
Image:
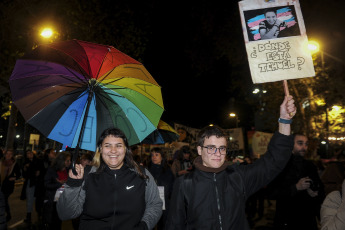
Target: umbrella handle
(73,168)
(74,160)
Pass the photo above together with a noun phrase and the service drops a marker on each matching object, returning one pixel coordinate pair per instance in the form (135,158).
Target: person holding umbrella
(114,192)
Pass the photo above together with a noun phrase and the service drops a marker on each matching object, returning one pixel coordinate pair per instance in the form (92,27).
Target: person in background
(333,210)
(334,174)
(300,191)
(184,135)
(31,171)
(213,195)
(164,178)
(114,193)
(55,177)
(45,161)
(9,172)
(86,159)
(183,162)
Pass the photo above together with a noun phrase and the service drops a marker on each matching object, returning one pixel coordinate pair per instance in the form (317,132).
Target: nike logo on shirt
(129,187)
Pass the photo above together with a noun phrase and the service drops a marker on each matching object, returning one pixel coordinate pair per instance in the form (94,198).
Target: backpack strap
(188,190)
(187,185)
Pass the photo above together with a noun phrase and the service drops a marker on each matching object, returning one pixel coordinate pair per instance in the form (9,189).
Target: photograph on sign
(276,40)
(270,23)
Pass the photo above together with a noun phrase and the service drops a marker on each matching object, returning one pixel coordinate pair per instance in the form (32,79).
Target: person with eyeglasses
(213,195)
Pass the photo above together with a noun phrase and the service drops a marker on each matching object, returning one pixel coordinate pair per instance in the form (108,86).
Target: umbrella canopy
(163,134)
(73,90)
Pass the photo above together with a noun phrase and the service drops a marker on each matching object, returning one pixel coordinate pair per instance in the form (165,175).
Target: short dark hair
(59,161)
(299,134)
(157,150)
(209,131)
(270,10)
(164,162)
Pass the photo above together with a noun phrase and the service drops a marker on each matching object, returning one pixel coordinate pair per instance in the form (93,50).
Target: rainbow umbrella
(73,90)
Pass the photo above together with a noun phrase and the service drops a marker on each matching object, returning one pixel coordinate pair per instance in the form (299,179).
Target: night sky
(196,53)
(197,98)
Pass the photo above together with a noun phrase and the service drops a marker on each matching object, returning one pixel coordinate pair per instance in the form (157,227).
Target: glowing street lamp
(234,116)
(313,47)
(46,32)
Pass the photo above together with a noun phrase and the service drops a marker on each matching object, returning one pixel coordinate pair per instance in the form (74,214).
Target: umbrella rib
(102,97)
(80,69)
(105,76)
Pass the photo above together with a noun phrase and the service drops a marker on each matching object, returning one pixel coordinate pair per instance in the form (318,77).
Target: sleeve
(154,204)
(264,170)
(174,168)
(177,212)
(50,182)
(333,212)
(262,25)
(71,202)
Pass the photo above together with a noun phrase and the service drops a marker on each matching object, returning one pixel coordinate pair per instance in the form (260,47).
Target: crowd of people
(114,188)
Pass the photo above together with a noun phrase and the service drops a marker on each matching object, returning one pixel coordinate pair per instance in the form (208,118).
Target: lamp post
(234,116)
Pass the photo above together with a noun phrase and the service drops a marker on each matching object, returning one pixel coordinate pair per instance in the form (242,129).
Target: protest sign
(260,142)
(276,40)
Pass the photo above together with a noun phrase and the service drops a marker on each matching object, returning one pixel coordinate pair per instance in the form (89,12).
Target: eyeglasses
(213,149)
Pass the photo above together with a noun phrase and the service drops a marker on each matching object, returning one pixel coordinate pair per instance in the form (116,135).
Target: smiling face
(113,151)
(271,17)
(212,160)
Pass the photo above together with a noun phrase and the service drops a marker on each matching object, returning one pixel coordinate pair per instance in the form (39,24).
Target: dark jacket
(31,170)
(296,209)
(165,178)
(51,184)
(112,199)
(7,186)
(217,200)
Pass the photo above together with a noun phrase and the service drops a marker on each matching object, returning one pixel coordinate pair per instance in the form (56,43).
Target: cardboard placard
(276,40)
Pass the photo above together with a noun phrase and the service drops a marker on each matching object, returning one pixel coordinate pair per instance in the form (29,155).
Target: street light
(313,47)
(46,32)
(234,116)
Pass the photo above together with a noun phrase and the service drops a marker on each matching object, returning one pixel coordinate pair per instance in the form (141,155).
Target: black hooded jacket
(216,200)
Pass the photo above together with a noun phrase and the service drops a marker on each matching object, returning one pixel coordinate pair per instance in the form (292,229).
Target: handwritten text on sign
(279,59)
(277,56)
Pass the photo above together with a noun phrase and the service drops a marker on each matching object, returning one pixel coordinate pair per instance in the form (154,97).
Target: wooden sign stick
(286,90)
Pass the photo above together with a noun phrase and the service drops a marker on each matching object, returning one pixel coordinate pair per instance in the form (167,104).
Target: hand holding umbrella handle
(73,168)
(79,172)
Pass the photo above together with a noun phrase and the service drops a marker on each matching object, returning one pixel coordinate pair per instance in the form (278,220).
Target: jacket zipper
(114,216)
(218,203)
